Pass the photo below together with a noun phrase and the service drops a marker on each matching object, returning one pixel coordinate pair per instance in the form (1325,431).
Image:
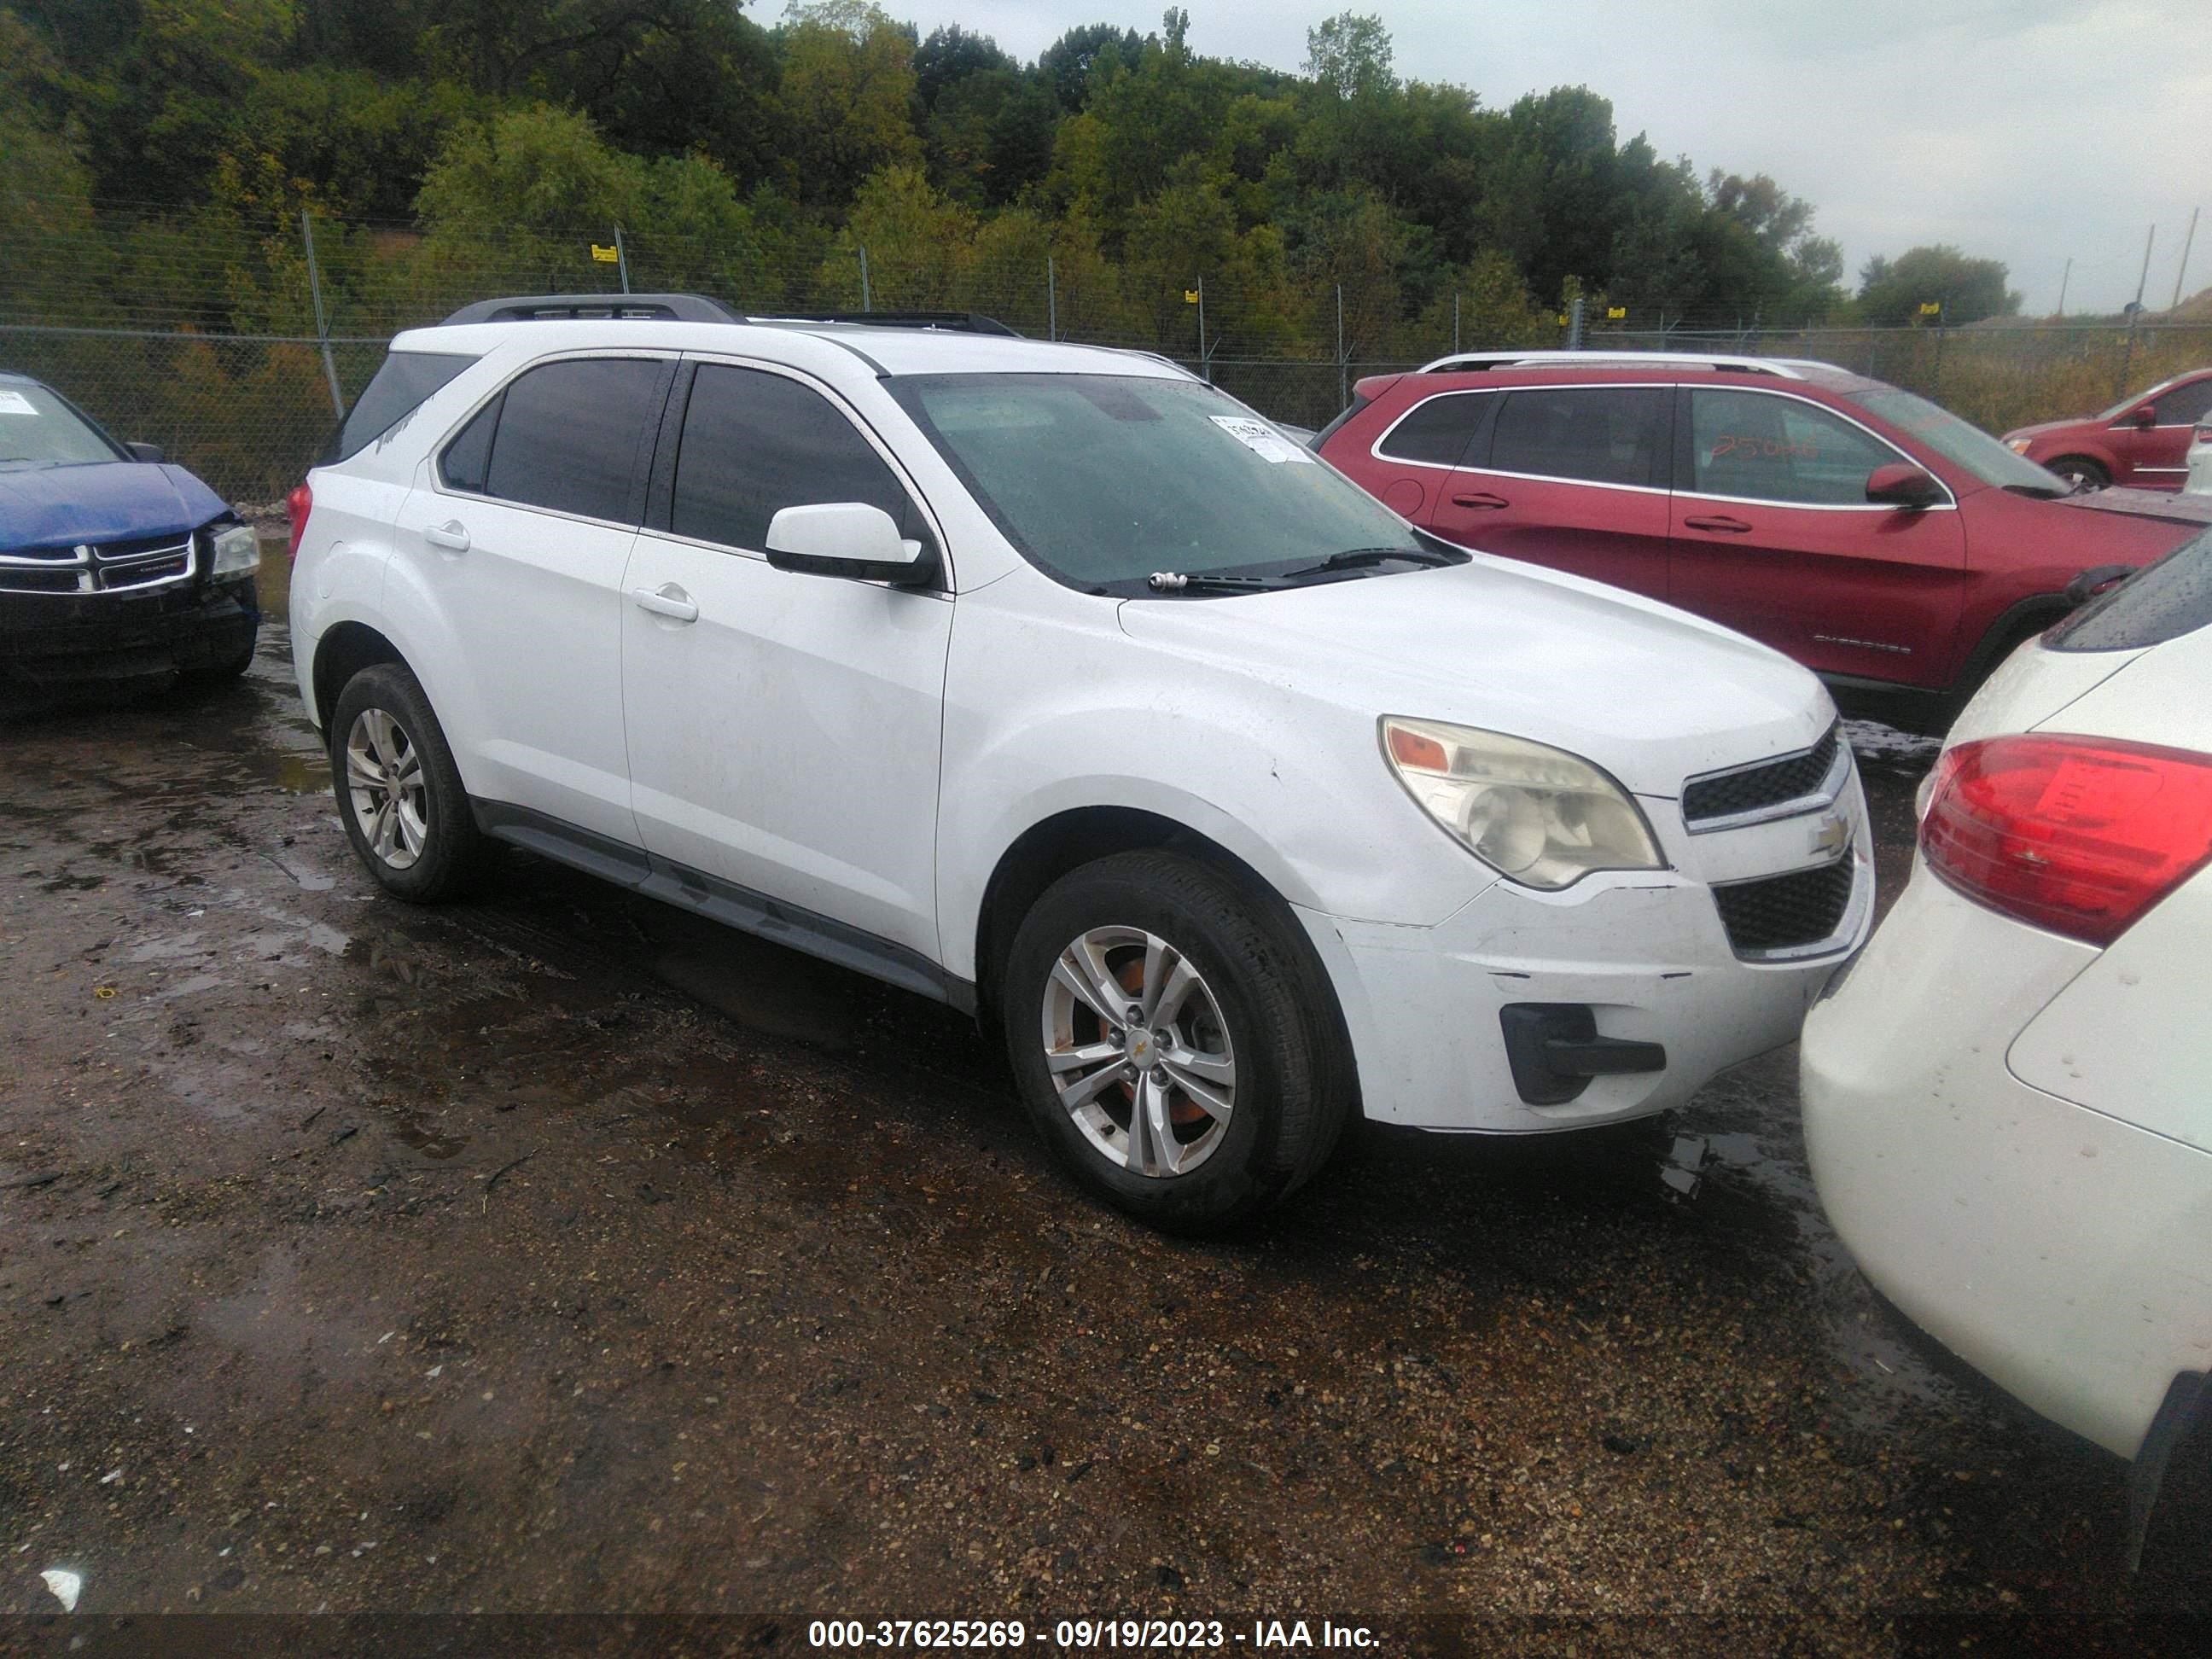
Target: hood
(1651,693)
(2044,427)
(101,501)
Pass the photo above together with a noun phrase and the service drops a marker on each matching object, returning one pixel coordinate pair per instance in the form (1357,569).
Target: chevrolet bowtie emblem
(1832,834)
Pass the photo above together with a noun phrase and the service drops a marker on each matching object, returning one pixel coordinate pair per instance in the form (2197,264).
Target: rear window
(1590,435)
(1437,431)
(2158,603)
(573,436)
(403,385)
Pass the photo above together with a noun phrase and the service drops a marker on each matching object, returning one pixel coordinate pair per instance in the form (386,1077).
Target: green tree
(1892,291)
(848,92)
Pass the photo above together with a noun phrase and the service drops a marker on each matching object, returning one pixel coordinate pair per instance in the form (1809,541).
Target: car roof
(1725,368)
(893,349)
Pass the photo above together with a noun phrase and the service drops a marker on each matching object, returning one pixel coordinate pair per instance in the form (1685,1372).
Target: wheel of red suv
(399,794)
(2079,471)
(1172,1041)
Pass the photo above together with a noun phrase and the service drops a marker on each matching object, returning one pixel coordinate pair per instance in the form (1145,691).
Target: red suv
(1880,540)
(2142,440)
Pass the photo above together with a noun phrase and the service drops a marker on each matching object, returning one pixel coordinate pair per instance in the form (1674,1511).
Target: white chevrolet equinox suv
(1055,683)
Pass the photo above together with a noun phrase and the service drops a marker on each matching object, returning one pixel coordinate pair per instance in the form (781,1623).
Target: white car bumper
(2058,1250)
(1647,953)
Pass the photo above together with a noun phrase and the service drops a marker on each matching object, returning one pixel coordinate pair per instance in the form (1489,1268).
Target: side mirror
(844,539)
(1899,485)
(2099,579)
(2147,416)
(146,452)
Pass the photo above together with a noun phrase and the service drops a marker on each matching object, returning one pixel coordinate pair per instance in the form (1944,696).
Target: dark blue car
(114,565)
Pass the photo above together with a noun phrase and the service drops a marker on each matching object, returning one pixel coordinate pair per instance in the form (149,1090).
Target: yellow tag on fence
(1616,313)
(606,256)
(1931,309)
(1190,296)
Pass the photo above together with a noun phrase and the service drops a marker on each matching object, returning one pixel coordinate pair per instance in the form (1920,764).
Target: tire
(213,676)
(426,847)
(2079,471)
(1240,1068)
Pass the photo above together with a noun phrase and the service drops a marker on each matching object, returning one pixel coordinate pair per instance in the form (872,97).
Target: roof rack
(701,309)
(535,307)
(1786,368)
(960,322)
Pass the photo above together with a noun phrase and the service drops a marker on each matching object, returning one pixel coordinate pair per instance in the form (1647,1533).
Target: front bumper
(1647,952)
(52,641)
(2057,1250)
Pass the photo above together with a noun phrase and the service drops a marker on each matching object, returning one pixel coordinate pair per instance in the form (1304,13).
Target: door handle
(666,600)
(1730,527)
(1482,501)
(452,536)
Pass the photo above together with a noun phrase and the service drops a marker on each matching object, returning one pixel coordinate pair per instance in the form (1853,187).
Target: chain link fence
(233,342)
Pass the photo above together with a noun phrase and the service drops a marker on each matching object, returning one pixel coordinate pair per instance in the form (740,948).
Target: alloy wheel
(1138,1052)
(389,794)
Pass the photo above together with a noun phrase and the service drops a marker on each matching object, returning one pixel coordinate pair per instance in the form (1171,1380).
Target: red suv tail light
(298,504)
(2077,834)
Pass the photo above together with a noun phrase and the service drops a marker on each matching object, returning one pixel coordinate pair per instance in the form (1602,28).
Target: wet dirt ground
(556,1251)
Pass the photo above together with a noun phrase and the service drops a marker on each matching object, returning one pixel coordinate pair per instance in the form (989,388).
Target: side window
(468,458)
(1593,434)
(2185,405)
(755,443)
(1767,448)
(572,436)
(1438,431)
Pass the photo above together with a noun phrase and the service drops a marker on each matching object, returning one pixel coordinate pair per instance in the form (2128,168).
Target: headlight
(2018,446)
(237,552)
(1540,816)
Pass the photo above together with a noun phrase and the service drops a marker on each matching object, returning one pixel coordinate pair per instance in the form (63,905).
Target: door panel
(785,737)
(1571,478)
(515,540)
(1774,537)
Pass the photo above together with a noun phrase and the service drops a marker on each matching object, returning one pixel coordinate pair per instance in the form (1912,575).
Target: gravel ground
(559,1253)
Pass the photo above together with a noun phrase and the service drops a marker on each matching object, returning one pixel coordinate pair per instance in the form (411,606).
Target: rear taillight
(299,504)
(2077,834)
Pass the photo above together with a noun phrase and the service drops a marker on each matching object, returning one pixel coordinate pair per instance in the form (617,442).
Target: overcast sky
(2025,130)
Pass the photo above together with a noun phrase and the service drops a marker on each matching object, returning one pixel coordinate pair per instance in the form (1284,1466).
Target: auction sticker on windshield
(1261,440)
(14,403)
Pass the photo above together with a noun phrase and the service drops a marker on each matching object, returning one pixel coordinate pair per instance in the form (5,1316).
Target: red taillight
(2077,834)
(298,504)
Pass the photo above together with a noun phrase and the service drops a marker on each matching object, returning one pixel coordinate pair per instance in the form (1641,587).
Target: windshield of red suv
(1104,480)
(37,428)
(1957,442)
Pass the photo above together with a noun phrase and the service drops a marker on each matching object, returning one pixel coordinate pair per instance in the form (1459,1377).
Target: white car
(2199,482)
(1053,683)
(2008,1097)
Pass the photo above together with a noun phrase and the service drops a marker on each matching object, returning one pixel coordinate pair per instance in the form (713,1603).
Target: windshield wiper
(1360,558)
(2036,492)
(1174,581)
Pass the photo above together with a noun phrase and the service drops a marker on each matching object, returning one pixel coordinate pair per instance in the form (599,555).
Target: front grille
(99,568)
(1749,789)
(1779,912)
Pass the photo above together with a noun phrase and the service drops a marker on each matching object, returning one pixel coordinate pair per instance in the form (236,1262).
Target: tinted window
(1766,448)
(2161,602)
(571,435)
(1438,431)
(402,386)
(2187,404)
(755,443)
(1595,434)
(468,456)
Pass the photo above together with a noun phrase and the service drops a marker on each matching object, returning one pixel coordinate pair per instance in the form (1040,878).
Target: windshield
(2158,603)
(1104,481)
(37,428)
(1958,442)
